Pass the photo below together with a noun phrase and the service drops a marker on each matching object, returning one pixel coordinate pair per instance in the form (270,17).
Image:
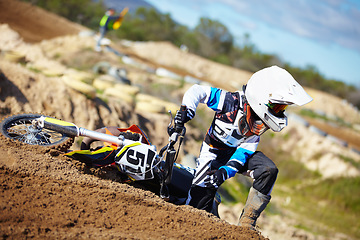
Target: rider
(106,24)
(230,144)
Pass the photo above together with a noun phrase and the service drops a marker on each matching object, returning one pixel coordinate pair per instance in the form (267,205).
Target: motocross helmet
(110,12)
(268,93)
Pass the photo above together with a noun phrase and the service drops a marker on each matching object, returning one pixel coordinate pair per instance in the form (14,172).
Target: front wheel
(21,128)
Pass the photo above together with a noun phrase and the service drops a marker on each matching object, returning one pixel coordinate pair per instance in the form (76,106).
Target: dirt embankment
(46,195)
(33,23)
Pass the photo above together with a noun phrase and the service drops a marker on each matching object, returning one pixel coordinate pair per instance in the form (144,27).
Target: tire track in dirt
(46,195)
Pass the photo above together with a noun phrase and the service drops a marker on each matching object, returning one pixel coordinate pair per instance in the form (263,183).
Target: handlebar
(171,155)
(174,135)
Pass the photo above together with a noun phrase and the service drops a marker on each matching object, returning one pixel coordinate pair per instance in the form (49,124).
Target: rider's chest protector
(228,131)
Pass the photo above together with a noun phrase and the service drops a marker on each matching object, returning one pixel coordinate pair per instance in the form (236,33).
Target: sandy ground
(34,23)
(45,195)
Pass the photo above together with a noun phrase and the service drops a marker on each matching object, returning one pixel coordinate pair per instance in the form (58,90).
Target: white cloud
(324,33)
(331,21)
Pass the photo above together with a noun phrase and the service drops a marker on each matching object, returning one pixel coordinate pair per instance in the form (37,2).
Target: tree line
(210,39)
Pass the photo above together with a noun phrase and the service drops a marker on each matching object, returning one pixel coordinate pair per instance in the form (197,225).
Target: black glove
(180,118)
(216,178)
(183,116)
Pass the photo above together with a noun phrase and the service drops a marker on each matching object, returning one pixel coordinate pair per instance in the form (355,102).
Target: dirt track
(45,195)
(34,24)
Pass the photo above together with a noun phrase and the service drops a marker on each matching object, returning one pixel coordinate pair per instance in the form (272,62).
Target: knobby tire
(19,128)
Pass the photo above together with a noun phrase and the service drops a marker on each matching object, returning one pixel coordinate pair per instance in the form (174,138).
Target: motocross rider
(230,143)
(106,23)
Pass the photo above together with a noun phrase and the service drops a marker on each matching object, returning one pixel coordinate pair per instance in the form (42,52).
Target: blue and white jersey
(224,131)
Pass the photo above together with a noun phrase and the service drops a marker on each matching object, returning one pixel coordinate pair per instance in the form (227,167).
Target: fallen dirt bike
(132,154)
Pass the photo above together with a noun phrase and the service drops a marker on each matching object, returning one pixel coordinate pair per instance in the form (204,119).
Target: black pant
(263,170)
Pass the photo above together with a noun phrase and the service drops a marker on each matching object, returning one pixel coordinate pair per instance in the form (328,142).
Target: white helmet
(269,91)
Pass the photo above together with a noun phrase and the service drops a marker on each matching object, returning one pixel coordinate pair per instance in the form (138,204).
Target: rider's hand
(216,178)
(180,119)
(183,116)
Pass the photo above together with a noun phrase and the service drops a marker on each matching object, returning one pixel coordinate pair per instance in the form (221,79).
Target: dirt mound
(35,24)
(46,195)
(217,74)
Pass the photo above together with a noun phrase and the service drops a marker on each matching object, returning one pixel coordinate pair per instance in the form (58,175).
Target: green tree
(214,37)
(86,12)
(148,24)
(247,57)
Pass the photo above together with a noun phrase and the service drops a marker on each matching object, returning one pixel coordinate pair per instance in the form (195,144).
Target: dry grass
(346,134)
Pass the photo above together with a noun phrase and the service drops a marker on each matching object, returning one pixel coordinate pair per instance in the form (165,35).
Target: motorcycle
(129,150)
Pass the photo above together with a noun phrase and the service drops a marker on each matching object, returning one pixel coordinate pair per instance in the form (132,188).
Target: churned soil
(45,195)
(35,24)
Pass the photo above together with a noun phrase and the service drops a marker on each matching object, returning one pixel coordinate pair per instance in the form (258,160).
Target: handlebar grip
(180,125)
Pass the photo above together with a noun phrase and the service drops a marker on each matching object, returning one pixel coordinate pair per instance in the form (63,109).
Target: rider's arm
(114,18)
(212,97)
(241,155)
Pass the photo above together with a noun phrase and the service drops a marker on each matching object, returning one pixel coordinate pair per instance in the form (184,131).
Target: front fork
(166,174)
(72,130)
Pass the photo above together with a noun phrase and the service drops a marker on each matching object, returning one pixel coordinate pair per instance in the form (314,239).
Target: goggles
(250,123)
(276,108)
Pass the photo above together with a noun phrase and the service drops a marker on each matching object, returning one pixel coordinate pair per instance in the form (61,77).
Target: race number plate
(137,160)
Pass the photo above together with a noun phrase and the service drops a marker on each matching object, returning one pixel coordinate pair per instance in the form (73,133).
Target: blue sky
(322,33)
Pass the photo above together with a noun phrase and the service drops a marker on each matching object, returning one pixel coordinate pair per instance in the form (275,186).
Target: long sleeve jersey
(108,21)
(224,130)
